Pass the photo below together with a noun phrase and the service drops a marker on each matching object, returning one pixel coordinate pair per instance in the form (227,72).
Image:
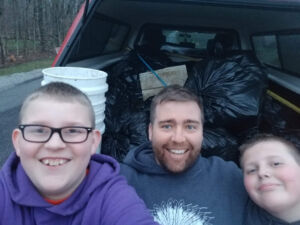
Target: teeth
(53,162)
(175,151)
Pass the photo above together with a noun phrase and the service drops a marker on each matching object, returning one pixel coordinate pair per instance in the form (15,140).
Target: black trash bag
(124,83)
(272,116)
(232,89)
(124,90)
(124,125)
(122,133)
(292,135)
(219,142)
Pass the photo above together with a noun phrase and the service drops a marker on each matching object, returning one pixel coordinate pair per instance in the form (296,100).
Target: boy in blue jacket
(271,167)
(54,177)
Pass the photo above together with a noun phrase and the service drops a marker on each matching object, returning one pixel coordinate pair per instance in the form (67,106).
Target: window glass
(117,36)
(290,53)
(190,39)
(266,50)
(107,38)
(280,51)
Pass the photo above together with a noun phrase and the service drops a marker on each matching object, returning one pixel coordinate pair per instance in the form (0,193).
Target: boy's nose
(264,173)
(55,141)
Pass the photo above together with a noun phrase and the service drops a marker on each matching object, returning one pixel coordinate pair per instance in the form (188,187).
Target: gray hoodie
(211,192)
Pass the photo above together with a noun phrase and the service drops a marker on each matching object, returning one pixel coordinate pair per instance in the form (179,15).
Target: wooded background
(31,28)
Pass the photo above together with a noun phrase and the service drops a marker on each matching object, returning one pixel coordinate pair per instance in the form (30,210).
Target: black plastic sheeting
(126,118)
(274,121)
(123,133)
(232,90)
(272,118)
(219,142)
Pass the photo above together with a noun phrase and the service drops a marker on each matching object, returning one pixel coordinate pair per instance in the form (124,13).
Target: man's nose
(178,135)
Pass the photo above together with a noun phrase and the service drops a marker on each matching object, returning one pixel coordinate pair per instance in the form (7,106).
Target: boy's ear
(96,141)
(16,135)
(150,131)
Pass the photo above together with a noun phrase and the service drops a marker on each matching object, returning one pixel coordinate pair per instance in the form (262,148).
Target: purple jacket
(103,198)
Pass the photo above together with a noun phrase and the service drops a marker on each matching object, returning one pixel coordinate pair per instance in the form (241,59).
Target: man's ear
(96,141)
(150,131)
(16,135)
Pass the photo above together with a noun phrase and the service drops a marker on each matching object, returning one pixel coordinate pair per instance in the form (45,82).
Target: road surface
(10,103)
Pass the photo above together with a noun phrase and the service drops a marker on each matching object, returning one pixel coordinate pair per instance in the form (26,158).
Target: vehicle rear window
(192,39)
(101,36)
(188,41)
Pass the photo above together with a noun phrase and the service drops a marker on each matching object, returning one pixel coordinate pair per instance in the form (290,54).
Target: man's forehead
(172,111)
(179,105)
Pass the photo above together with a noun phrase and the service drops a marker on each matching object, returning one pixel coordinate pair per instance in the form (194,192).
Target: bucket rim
(100,73)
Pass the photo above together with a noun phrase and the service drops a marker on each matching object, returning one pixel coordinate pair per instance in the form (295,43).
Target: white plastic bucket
(96,94)
(100,119)
(101,127)
(76,76)
(90,81)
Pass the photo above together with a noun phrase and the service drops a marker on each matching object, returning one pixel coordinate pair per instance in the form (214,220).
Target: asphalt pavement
(13,89)
(9,81)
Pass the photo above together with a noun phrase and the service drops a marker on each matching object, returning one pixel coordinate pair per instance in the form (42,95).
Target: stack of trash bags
(232,89)
(231,84)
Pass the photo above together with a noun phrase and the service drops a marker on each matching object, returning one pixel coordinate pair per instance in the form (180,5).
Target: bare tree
(31,27)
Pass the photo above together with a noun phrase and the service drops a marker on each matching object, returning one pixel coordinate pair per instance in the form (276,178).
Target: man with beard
(178,185)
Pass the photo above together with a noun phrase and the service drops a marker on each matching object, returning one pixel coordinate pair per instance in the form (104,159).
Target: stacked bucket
(90,81)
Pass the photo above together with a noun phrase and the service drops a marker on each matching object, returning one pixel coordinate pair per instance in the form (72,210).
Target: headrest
(225,39)
(221,43)
(214,48)
(154,36)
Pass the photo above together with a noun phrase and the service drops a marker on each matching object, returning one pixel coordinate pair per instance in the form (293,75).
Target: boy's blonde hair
(61,92)
(269,137)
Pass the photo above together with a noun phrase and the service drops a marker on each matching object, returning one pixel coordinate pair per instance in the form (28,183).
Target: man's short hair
(263,137)
(175,93)
(61,92)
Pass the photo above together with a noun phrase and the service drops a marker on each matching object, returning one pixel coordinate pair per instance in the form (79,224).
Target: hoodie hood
(257,215)
(270,220)
(19,185)
(142,159)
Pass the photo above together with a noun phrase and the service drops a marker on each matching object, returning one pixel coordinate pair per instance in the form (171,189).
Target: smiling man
(176,134)
(169,173)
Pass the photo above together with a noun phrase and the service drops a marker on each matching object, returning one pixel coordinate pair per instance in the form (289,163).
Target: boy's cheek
(249,183)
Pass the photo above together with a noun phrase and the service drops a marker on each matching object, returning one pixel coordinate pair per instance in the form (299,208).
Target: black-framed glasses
(41,134)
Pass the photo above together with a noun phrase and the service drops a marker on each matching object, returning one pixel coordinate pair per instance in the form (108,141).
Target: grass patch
(28,66)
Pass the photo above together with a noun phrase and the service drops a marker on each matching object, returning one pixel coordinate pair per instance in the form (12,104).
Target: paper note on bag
(171,75)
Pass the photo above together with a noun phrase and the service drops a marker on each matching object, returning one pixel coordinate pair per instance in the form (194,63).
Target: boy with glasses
(54,177)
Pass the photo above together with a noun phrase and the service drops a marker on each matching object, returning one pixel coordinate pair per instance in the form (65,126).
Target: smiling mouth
(54,162)
(267,187)
(177,151)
